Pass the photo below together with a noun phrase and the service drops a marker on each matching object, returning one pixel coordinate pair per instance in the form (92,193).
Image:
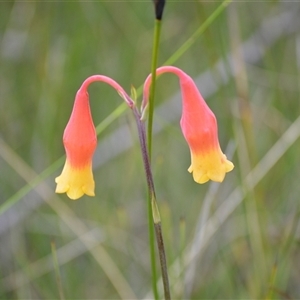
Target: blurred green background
(235,240)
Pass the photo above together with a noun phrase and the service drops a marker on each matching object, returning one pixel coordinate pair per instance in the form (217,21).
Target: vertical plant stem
(161,247)
(152,249)
(155,216)
(144,150)
(163,261)
(157,30)
(156,38)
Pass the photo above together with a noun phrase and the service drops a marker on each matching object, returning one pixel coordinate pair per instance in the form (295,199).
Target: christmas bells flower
(199,127)
(80,142)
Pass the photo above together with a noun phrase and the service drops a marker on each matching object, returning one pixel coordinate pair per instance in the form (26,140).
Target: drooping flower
(80,142)
(199,127)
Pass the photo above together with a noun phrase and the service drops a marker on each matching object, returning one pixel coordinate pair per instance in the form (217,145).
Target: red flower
(80,142)
(199,127)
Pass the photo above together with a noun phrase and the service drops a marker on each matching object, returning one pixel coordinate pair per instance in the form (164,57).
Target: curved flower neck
(165,69)
(112,83)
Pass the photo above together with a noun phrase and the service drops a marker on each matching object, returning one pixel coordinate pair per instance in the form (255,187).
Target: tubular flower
(80,142)
(199,127)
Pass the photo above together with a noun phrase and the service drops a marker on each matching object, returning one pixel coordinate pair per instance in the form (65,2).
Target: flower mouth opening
(75,181)
(209,166)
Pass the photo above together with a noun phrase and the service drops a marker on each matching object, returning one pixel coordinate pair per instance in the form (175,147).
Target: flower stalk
(155,216)
(159,7)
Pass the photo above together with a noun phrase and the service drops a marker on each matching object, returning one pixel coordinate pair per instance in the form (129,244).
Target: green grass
(244,232)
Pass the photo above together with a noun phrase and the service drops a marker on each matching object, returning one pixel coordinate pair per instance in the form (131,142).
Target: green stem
(152,250)
(157,31)
(163,261)
(155,216)
(161,247)
(156,38)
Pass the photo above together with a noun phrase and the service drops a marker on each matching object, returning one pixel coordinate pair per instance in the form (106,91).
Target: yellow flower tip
(229,166)
(212,166)
(199,174)
(75,181)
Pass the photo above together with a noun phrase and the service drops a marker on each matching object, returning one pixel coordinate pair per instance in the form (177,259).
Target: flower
(80,142)
(199,127)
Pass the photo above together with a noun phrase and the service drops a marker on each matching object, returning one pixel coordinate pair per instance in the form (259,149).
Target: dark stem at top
(159,8)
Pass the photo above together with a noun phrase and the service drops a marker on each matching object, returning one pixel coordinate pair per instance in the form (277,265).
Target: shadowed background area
(235,240)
